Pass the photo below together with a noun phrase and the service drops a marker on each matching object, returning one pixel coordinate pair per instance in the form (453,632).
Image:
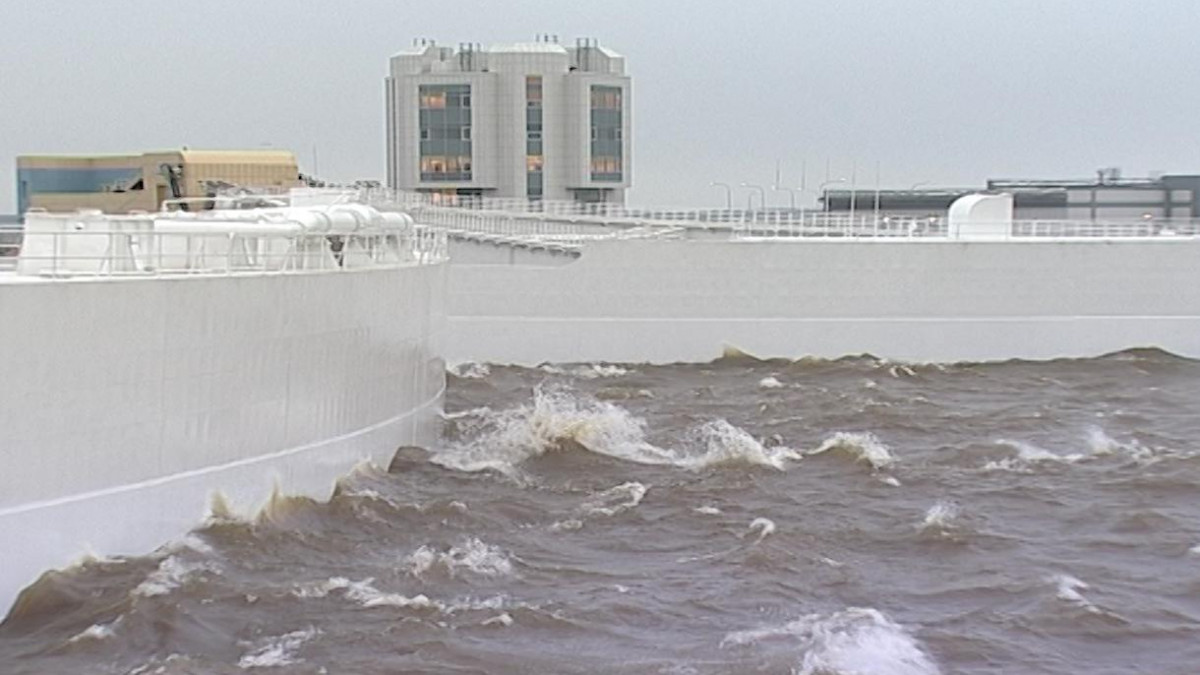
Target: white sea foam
(1195,550)
(99,631)
(590,371)
(504,619)
(276,652)
(862,446)
(1067,589)
(719,443)
(855,641)
(764,526)
(558,416)
(1029,455)
(707,510)
(940,516)
(470,370)
(616,499)
(555,416)
(470,555)
(770,382)
(171,573)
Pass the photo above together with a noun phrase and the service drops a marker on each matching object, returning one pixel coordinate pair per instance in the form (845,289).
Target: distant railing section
(773,223)
(536,229)
(246,242)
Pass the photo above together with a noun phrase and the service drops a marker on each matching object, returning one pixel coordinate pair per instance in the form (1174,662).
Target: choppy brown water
(813,517)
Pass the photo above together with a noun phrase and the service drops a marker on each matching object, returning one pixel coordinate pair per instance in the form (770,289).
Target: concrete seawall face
(924,300)
(143,398)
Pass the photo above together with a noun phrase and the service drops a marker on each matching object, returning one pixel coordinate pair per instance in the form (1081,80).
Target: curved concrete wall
(142,398)
(918,300)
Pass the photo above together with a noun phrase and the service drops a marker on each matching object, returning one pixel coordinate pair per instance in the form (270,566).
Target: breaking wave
(469,370)
(860,446)
(855,641)
(589,371)
(364,594)
(616,499)
(276,652)
(559,419)
(471,555)
(1098,444)
(172,573)
(941,517)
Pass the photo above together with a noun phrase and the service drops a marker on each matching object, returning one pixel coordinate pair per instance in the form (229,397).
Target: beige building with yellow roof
(125,183)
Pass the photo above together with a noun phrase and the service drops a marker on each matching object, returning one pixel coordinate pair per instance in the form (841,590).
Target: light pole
(762,194)
(791,196)
(728,193)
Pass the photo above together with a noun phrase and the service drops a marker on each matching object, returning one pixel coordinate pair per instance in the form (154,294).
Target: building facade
(530,120)
(1107,198)
(125,183)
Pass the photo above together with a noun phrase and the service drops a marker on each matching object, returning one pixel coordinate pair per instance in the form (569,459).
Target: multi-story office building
(124,183)
(532,120)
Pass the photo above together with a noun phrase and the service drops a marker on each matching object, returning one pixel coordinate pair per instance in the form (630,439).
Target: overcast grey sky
(944,91)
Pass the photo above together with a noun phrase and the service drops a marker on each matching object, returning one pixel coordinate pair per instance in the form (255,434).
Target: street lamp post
(762,194)
(728,193)
(791,194)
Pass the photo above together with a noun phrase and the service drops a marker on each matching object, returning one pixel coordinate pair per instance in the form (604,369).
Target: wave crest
(851,642)
(861,446)
(558,418)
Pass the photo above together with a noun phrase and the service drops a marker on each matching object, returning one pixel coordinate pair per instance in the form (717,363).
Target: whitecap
(171,573)
(1195,550)
(276,652)
(1067,589)
(470,370)
(616,499)
(707,510)
(557,417)
(862,446)
(940,516)
(764,526)
(471,555)
(504,619)
(99,631)
(770,382)
(589,371)
(723,443)
(855,641)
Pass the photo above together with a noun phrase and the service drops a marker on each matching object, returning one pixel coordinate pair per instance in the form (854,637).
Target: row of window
(608,165)
(606,133)
(438,133)
(606,98)
(443,99)
(446,164)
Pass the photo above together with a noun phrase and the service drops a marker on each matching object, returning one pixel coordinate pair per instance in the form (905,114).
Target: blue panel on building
(35,181)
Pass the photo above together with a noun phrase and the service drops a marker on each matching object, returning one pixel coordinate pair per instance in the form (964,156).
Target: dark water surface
(848,517)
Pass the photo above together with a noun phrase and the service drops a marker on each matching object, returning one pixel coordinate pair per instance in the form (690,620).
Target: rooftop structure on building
(534,120)
(1107,197)
(127,183)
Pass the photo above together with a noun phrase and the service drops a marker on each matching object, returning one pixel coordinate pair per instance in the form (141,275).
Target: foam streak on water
(850,517)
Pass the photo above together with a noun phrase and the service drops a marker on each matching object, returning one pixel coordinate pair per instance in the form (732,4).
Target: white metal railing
(536,229)
(573,220)
(90,245)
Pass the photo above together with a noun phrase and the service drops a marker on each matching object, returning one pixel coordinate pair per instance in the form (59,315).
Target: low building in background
(530,121)
(125,183)
(1108,197)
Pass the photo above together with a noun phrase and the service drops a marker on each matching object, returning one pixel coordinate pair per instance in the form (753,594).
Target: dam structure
(537,282)
(172,365)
